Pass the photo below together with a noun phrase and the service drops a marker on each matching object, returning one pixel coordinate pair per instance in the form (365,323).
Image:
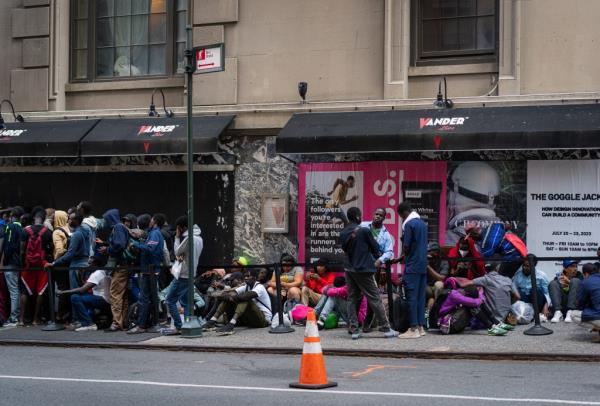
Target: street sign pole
(191,327)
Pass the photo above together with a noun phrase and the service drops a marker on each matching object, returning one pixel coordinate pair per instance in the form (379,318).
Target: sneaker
(507,327)
(226,330)
(568,317)
(170,332)
(320,324)
(137,330)
(355,335)
(390,333)
(422,331)
(210,325)
(410,334)
(558,317)
(10,324)
(543,318)
(91,327)
(73,326)
(497,331)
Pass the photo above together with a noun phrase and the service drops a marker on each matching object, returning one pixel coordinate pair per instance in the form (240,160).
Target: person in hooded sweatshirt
(178,289)
(78,255)
(89,222)
(117,245)
(60,238)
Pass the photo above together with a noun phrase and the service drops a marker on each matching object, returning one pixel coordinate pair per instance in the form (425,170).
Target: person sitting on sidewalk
(292,278)
(437,272)
(335,300)
(465,248)
(498,294)
(460,305)
(249,303)
(521,284)
(563,291)
(84,303)
(588,299)
(315,282)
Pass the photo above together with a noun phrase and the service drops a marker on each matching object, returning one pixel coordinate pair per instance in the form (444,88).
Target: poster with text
(563,210)
(485,193)
(328,190)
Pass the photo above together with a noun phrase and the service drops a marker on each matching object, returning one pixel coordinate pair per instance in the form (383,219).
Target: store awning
(153,136)
(43,139)
(459,129)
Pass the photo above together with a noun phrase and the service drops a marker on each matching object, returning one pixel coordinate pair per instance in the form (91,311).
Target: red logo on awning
(146,147)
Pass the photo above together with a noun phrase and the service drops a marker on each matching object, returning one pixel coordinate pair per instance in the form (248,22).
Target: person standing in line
(151,259)
(414,250)
(60,238)
(382,236)
(360,266)
(10,251)
(178,288)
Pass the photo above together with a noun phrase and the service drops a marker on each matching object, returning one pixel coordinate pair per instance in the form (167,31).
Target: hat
(433,246)
(242,261)
(568,262)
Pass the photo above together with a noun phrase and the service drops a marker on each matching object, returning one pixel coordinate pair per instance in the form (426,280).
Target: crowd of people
(131,273)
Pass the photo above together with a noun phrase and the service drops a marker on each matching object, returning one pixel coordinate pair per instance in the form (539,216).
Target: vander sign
(6,134)
(156,130)
(442,123)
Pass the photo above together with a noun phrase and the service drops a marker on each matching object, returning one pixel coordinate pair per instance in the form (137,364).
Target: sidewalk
(569,342)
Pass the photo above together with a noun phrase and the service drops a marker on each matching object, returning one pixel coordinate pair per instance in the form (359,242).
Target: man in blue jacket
(414,250)
(588,299)
(360,265)
(151,258)
(117,244)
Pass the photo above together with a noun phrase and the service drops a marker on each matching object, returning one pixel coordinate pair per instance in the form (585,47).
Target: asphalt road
(70,376)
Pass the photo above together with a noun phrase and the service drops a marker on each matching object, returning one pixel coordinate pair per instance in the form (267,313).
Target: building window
(112,39)
(454,31)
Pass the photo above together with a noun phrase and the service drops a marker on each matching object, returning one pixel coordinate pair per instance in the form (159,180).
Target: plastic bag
(523,311)
(286,320)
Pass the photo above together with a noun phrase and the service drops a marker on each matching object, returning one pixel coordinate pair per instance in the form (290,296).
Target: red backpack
(34,252)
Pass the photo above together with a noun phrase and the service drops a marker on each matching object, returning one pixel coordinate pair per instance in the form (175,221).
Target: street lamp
(153,112)
(17,117)
(442,101)
(191,327)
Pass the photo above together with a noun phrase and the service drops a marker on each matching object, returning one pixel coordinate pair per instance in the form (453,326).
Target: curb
(479,356)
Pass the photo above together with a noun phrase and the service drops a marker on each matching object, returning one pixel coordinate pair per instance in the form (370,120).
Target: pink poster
(328,190)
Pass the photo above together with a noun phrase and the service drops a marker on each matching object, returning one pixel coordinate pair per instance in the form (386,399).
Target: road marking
(373,368)
(328,391)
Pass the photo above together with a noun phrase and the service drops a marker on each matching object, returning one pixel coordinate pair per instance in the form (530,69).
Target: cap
(433,246)
(242,261)
(568,262)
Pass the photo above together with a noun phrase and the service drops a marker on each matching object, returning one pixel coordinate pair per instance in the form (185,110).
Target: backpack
(455,322)
(401,312)
(34,252)
(434,313)
(12,243)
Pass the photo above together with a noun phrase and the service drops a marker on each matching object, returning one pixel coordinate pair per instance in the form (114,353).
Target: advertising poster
(485,193)
(328,190)
(563,210)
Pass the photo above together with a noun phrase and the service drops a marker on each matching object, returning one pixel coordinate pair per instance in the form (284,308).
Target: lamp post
(191,327)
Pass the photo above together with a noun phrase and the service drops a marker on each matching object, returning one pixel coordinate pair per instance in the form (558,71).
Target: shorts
(34,282)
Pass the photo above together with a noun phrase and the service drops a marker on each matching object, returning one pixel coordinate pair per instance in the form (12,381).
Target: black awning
(43,139)
(460,129)
(153,136)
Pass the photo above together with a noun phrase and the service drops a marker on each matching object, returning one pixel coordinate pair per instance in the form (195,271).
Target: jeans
(177,292)
(415,288)
(359,284)
(84,306)
(541,298)
(144,300)
(12,283)
(75,270)
(328,305)
(562,301)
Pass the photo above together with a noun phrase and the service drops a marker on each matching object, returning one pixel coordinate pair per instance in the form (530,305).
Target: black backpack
(401,321)
(434,313)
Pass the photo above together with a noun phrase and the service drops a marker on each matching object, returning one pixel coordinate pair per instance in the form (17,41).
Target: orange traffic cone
(312,368)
